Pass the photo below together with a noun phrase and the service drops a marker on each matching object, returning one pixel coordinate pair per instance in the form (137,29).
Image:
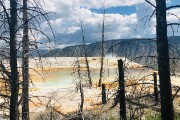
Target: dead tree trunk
(155,88)
(25,64)
(80,114)
(104,101)
(86,59)
(122,91)
(13,62)
(167,112)
(82,99)
(102,51)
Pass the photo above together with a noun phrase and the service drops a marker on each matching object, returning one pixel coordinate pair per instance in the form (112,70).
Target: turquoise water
(64,78)
(56,78)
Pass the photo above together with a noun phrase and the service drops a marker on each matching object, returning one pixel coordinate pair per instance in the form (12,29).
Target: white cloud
(69,13)
(66,23)
(73,29)
(173,16)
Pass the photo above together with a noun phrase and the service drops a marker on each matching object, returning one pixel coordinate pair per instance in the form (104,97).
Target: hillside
(93,50)
(137,50)
(124,47)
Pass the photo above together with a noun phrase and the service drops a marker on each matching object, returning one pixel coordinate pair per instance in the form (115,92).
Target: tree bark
(121,92)
(25,64)
(167,112)
(102,51)
(104,101)
(80,114)
(82,98)
(13,62)
(86,59)
(155,88)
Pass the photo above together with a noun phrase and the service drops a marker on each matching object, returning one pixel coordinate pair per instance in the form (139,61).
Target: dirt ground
(66,99)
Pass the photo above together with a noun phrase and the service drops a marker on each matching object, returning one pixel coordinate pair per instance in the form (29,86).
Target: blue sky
(122,17)
(123,10)
(173,2)
(127,10)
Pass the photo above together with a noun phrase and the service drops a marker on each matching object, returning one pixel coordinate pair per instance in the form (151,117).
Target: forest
(88,74)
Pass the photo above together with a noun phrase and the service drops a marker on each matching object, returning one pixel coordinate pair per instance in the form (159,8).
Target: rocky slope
(142,51)
(122,47)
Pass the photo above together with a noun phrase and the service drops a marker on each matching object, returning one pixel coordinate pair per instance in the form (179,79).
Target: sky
(123,19)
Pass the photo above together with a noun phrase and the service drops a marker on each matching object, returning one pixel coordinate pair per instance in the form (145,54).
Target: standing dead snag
(104,101)
(86,59)
(155,88)
(12,34)
(102,50)
(167,112)
(9,27)
(80,114)
(122,91)
(82,100)
(25,64)
(13,62)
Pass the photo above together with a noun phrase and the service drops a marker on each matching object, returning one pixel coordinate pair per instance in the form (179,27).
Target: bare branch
(4,95)
(152,14)
(150,3)
(172,7)
(170,24)
(4,8)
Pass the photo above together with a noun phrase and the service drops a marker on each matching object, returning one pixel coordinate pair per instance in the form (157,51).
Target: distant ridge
(134,49)
(125,47)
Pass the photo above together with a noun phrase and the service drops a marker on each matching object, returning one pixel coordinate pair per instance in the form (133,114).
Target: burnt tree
(104,101)
(155,87)
(86,59)
(163,57)
(80,114)
(13,61)
(25,64)
(167,112)
(102,50)
(121,91)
